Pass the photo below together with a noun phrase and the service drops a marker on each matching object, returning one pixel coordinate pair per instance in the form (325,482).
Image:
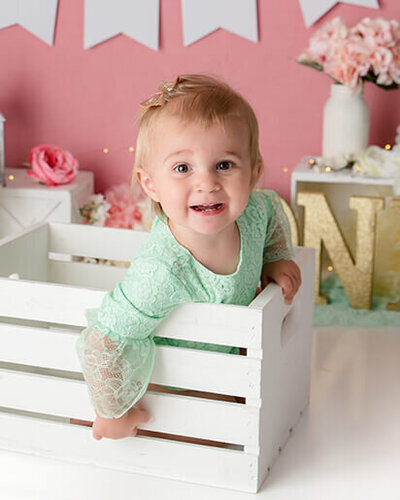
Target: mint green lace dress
(117,348)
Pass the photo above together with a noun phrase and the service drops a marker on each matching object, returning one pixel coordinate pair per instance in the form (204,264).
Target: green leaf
(311,64)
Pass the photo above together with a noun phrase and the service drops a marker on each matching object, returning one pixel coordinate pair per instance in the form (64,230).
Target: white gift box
(25,202)
(42,304)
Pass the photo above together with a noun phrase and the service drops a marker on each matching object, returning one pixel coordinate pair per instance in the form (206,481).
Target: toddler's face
(201,176)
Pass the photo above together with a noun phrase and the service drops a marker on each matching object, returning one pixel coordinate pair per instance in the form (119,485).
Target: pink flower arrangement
(369,51)
(123,212)
(118,208)
(52,165)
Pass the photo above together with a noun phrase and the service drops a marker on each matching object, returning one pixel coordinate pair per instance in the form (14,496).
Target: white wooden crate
(41,385)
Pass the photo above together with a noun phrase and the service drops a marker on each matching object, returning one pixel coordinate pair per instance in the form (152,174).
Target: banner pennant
(202,17)
(313,10)
(138,19)
(36,16)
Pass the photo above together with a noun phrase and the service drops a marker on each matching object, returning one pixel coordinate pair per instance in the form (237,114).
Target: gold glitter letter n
(320,227)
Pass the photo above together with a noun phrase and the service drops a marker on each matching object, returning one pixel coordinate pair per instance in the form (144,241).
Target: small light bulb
(286,170)
(359,169)
(330,268)
(328,169)
(388,146)
(106,150)
(11,177)
(312,161)
(131,148)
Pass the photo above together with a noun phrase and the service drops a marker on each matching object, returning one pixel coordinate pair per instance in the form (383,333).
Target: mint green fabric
(339,312)
(117,348)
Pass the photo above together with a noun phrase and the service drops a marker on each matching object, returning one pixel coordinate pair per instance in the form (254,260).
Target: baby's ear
(257,171)
(147,184)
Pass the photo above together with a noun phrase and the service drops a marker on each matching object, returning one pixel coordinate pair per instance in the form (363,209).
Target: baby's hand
(286,274)
(118,428)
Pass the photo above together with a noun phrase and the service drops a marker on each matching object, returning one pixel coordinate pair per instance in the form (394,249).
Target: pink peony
(52,165)
(123,213)
(324,40)
(348,63)
(369,51)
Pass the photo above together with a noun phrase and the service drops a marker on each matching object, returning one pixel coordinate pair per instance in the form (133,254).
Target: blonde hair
(199,98)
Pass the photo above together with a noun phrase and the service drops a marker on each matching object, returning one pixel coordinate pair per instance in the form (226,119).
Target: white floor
(346,446)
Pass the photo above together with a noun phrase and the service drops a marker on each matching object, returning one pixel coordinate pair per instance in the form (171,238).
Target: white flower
(378,162)
(95,211)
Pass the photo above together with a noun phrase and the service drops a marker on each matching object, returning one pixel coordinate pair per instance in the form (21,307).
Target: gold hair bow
(164,94)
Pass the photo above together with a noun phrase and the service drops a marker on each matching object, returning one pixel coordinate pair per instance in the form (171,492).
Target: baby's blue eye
(224,165)
(182,168)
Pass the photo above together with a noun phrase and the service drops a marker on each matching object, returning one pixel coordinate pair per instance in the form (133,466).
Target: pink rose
(52,165)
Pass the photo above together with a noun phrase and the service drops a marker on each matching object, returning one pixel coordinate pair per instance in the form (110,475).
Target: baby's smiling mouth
(207,207)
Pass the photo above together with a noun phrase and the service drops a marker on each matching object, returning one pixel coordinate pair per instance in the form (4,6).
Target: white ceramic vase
(345,122)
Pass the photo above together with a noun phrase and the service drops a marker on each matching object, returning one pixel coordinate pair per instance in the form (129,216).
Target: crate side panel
(93,241)
(286,364)
(26,254)
(183,461)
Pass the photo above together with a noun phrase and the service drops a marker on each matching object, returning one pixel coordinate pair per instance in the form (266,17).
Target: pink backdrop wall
(86,100)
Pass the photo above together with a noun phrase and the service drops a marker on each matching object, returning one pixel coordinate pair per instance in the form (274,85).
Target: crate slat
(198,464)
(47,302)
(174,366)
(222,324)
(39,347)
(207,371)
(171,414)
(92,241)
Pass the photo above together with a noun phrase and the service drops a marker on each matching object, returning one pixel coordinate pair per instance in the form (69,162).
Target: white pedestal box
(338,186)
(41,386)
(25,202)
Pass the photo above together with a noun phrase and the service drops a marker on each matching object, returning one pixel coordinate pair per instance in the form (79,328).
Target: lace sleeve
(278,244)
(117,349)
(117,370)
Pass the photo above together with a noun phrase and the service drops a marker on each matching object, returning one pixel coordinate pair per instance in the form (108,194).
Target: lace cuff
(278,242)
(117,371)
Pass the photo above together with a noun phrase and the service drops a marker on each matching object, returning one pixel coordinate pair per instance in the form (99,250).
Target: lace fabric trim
(117,372)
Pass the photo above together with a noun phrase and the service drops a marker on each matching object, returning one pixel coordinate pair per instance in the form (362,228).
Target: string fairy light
(105,151)
(388,146)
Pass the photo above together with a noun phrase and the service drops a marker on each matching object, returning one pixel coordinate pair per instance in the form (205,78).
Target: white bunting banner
(36,16)
(138,19)
(202,17)
(315,9)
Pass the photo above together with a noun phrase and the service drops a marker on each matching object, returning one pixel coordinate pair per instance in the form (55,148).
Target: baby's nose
(208,181)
